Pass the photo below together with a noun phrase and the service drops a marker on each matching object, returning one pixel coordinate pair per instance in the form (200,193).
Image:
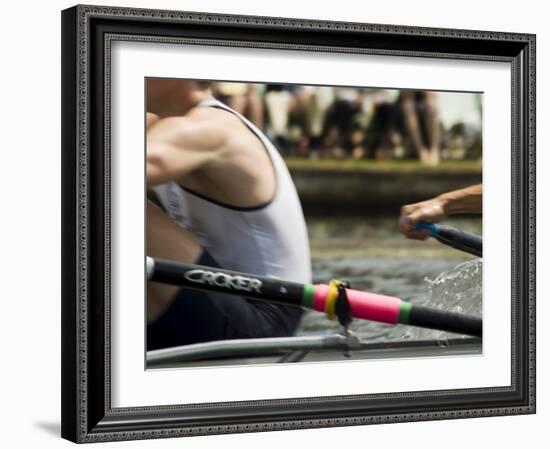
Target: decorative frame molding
(87,33)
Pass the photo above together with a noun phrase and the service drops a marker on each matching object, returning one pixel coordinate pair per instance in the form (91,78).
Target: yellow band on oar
(332,295)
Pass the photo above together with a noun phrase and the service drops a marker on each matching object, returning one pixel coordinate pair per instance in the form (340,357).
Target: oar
(332,299)
(464,241)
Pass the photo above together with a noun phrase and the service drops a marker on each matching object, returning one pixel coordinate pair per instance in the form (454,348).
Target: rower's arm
(175,151)
(464,201)
(168,162)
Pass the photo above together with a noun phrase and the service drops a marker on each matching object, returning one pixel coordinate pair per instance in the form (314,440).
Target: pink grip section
(371,306)
(320,297)
(364,305)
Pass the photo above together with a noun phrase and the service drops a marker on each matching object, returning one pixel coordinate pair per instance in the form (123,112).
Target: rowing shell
(305,349)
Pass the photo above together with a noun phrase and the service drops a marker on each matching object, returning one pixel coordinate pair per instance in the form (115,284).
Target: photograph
(286,223)
(291,223)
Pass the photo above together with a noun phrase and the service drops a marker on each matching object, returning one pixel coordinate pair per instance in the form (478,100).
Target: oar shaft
(430,318)
(455,238)
(363,305)
(225,281)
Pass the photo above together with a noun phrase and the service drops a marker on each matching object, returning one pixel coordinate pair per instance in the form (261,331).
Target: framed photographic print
(264,220)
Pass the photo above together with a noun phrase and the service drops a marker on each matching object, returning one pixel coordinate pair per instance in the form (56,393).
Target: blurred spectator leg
(319,101)
(412,125)
(278,104)
(433,126)
(358,144)
(255,107)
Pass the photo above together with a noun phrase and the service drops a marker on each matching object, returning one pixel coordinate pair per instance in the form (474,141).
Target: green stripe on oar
(307,296)
(405,312)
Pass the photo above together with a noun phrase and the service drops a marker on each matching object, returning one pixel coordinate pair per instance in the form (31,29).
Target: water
(457,290)
(372,256)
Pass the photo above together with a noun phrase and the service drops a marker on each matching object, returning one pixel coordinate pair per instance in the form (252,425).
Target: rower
(226,200)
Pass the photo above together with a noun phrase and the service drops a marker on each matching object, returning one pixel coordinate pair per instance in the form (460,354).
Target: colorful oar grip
(455,238)
(431,227)
(364,305)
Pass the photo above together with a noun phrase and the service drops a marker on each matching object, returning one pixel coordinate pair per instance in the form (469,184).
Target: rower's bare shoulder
(217,120)
(191,132)
(228,130)
(216,126)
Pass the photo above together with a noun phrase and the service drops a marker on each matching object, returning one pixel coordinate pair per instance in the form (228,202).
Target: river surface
(370,254)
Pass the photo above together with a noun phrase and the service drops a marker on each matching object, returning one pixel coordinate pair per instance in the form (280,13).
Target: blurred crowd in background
(361,123)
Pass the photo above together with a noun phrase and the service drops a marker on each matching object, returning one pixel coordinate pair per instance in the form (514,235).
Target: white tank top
(269,240)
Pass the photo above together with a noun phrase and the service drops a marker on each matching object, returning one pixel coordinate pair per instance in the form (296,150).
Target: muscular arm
(178,146)
(463,201)
(168,161)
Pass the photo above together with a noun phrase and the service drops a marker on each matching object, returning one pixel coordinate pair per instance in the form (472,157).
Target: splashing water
(456,290)
(369,253)
(448,286)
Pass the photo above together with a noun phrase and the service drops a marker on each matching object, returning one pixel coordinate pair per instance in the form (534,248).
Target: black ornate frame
(87,32)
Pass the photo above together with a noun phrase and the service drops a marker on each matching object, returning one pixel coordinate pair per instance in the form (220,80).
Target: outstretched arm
(463,201)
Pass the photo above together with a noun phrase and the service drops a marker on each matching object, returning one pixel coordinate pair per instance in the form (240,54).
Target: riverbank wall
(359,190)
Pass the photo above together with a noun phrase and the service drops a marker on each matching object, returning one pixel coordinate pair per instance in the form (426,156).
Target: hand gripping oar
(334,299)
(464,241)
